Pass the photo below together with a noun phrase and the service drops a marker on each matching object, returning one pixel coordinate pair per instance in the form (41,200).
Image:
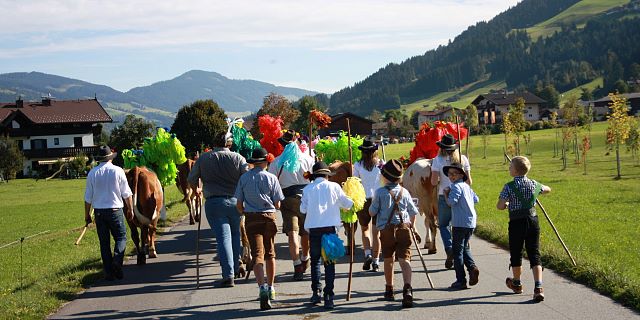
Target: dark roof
(503,99)
(627,96)
(65,111)
(349,115)
(435,112)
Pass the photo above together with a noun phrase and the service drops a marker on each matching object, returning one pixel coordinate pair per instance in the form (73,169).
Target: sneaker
(367,263)
(375,267)
(407,296)
(298,272)
(512,286)
(458,285)
(448,264)
(474,273)
(226,283)
(265,303)
(388,293)
(315,298)
(538,294)
(272,293)
(328,301)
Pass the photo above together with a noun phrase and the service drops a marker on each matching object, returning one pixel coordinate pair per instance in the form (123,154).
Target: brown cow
(147,203)
(341,171)
(192,197)
(417,180)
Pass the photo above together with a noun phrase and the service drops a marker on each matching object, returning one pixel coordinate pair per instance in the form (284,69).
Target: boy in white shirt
(321,203)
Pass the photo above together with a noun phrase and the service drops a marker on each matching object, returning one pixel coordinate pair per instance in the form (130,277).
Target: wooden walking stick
(424,265)
(351,225)
(551,223)
(84,230)
(198,253)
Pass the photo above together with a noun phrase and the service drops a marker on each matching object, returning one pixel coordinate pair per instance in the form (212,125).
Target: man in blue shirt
(461,199)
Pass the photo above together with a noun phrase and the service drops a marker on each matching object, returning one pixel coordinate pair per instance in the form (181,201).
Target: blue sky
(316,45)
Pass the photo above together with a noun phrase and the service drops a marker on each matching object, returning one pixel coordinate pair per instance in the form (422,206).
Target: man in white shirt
(289,168)
(106,187)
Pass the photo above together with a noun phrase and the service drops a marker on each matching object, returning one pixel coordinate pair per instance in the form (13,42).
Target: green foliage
(276,105)
(619,125)
(305,106)
(514,124)
(130,134)
(197,124)
(11,158)
(471,116)
(550,94)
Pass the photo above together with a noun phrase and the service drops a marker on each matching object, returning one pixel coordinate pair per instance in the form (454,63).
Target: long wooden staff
(458,129)
(84,230)
(198,252)
(310,132)
(551,223)
(424,265)
(351,225)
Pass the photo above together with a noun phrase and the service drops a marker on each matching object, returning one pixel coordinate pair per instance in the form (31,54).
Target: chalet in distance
(359,125)
(438,114)
(492,106)
(49,130)
(601,106)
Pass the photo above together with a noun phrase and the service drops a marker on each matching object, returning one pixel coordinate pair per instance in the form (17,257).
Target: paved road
(165,288)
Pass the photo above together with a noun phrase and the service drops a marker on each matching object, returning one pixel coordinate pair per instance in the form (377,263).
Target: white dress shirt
(106,187)
(288,179)
(370,179)
(321,202)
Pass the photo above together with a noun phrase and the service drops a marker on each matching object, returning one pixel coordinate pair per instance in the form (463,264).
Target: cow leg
(152,241)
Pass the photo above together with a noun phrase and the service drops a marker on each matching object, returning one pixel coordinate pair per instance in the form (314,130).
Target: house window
(15,124)
(20,144)
(530,116)
(56,141)
(38,144)
(77,142)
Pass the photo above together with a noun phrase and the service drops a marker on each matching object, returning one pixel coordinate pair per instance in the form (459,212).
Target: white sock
(296,262)
(376,260)
(305,258)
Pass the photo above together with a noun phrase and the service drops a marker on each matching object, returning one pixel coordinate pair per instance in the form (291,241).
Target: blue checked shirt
(259,190)
(526,187)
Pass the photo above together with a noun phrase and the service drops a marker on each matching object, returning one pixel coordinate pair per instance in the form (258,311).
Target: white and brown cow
(147,203)
(191,196)
(417,180)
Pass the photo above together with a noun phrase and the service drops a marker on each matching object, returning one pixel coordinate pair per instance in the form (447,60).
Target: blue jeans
(444,220)
(315,242)
(462,252)
(111,222)
(225,222)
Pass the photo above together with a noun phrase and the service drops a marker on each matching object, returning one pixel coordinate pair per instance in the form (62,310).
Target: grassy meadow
(53,269)
(596,215)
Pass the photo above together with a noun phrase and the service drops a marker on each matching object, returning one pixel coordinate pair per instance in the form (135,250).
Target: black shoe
(265,303)
(388,293)
(474,274)
(407,296)
(315,298)
(449,262)
(117,271)
(458,286)
(328,301)
(298,272)
(226,283)
(305,265)
(375,267)
(109,277)
(367,263)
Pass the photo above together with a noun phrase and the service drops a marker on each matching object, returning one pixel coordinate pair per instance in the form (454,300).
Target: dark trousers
(524,232)
(110,222)
(462,252)
(315,240)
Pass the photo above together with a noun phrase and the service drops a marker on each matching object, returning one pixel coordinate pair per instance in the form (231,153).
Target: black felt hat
(320,168)
(105,154)
(287,137)
(392,170)
(367,145)
(458,166)
(448,142)
(258,155)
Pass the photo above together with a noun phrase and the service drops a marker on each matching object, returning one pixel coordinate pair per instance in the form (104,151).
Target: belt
(223,196)
(259,212)
(323,229)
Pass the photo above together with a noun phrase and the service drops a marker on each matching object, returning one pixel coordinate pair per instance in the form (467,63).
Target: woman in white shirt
(449,153)
(368,171)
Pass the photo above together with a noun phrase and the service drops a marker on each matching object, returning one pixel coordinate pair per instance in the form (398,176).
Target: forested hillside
(608,45)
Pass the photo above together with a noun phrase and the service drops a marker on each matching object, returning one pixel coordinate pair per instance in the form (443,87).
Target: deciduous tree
(305,106)
(130,134)
(197,124)
(619,125)
(276,105)
(11,158)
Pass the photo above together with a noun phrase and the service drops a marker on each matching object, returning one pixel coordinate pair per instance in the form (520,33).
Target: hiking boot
(367,263)
(514,287)
(448,264)
(272,293)
(458,285)
(226,283)
(298,272)
(117,271)
(474,273)
(265,303)
(315,298)
(328,301)
(407,296)
(388,293)
(538,294)
(375,267)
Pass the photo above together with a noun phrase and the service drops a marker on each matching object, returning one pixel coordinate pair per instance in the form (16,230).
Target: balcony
(59,152)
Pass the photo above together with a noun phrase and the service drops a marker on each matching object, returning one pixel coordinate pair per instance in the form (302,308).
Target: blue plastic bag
(332,247)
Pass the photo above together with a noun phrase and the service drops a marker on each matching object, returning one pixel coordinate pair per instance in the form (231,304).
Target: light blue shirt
(382,205)
(259,190)
(462,200)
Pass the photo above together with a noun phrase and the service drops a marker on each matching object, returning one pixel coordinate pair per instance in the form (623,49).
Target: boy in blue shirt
(461,198)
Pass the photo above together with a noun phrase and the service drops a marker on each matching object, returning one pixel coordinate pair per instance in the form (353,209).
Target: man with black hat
(290,168)
(220,171)
(106,187)
(259,195)
(396,213)
(321,203)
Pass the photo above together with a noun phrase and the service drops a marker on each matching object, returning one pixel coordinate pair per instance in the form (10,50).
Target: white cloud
(46,26)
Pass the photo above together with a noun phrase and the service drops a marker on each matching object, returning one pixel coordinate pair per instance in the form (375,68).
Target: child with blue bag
(321,203)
